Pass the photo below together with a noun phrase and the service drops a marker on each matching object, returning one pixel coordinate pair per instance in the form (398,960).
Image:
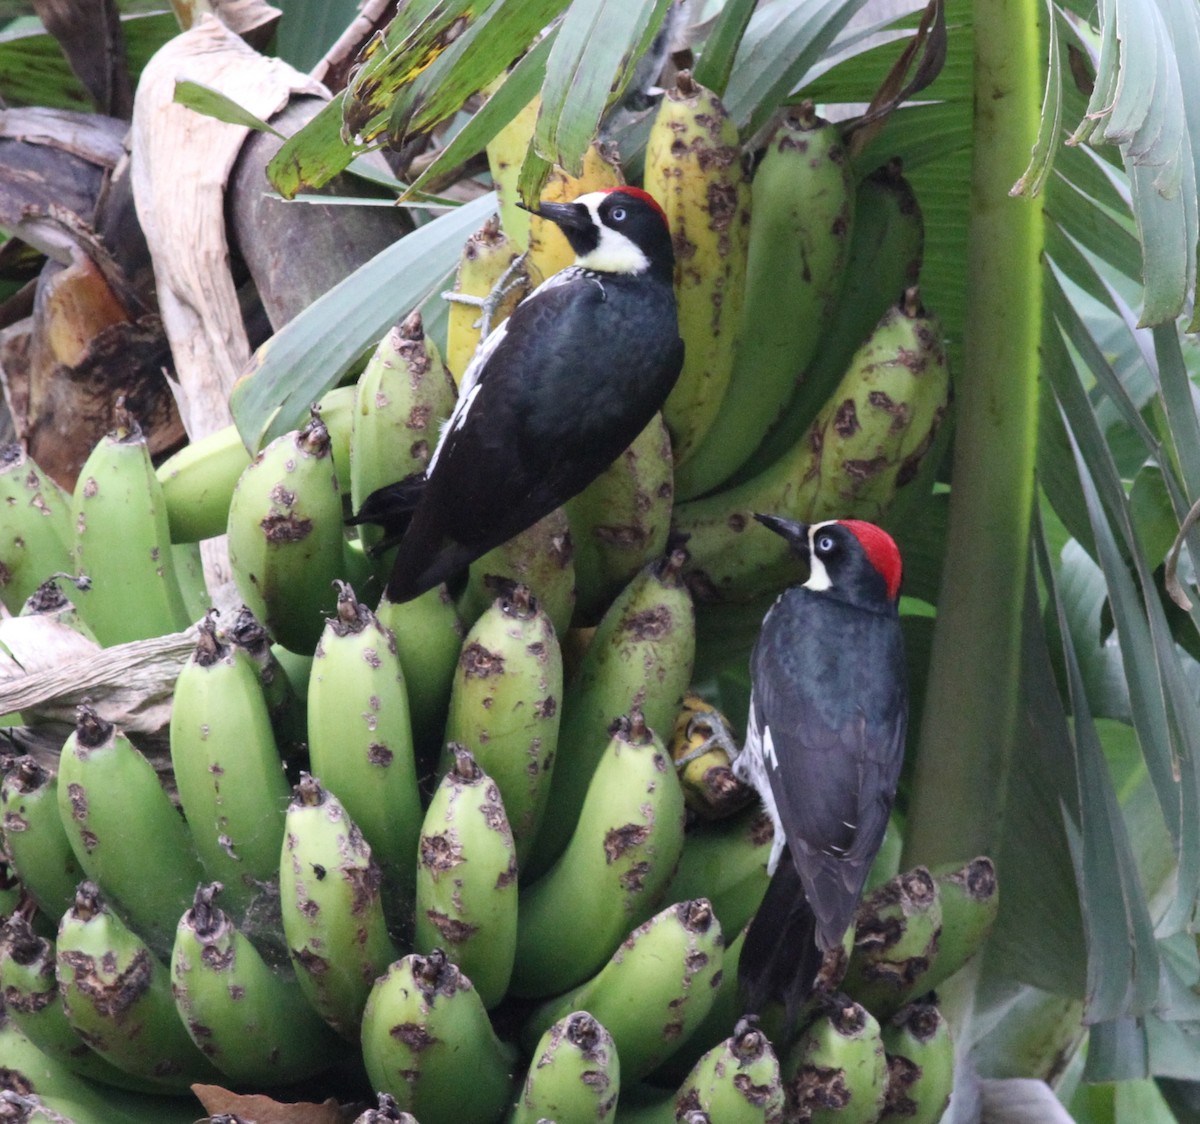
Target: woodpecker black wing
(542,411)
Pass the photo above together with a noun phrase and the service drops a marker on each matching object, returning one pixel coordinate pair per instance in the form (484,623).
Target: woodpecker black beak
(568,216)
(795,533)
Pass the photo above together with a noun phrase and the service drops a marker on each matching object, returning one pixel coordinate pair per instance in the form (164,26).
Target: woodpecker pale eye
(824,544)
(617,214)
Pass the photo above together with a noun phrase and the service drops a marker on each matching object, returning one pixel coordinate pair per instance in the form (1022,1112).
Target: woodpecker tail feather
(781,957)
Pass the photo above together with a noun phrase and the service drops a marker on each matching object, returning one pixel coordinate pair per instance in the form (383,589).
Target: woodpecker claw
(515,276)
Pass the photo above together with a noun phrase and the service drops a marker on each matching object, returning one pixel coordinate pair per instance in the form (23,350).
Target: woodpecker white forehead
(615,253)
(818,575)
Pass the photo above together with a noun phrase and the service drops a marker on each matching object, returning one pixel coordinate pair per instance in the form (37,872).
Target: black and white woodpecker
(824,746)
(551,397)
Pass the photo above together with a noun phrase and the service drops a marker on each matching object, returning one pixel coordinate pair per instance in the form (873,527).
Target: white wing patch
(753,765)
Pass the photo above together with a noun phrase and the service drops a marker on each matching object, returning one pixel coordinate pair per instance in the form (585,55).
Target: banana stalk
(800,228)
(574,1074)
(387,1112)
(641,655)
(117,816)
(427,1041)
(621,520)
(613,873)
(694,169)
(123,543)
(285,535)
(117,995)
(505,707)
(654,991)
(252,1022)
(35,534)
(332,913)
(360,739)
(35,840)
(920,1061)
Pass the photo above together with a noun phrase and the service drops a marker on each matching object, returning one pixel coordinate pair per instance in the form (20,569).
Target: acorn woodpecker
(551,398)
(824,746)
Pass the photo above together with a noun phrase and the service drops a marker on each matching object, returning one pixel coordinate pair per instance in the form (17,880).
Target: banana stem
(971,706)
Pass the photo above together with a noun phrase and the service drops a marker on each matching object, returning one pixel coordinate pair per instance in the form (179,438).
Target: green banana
(883,260)
(737,1081)
(641,655)
(35,839)
(541,557)
(427,1041)
(897,930)
(252,1022)
(428,633)
(970,900)
(694,169)
(332,913)
(887,860)
(285,705)
(800,225)
(614,870)
(337,410)
(621,520)
(227,770)
(32,999)
(35,534)
(117,815)
(574,1075)
(920,1061)
(198,482)
(505,707)
(493,278)
(401,399)
(865,444)
(467,879)
(654,991)
(703,748)
(360,739)
(123,543)
(117,995)
(189,572)
(836,1072)
(285,535)
(726,862)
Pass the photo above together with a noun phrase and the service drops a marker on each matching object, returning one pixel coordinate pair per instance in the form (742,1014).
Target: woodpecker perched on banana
(824,746)
(551,398)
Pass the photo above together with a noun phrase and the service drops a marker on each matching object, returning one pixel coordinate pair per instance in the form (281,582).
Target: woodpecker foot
(718,737)
(514,277)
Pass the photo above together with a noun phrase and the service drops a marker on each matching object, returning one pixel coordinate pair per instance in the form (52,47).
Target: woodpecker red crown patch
(638,193)
(881,552)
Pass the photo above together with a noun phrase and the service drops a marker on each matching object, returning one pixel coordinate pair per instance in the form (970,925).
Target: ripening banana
(227,769)
(123,542)
(118,816)
(35,839)
(36,531)
(427,1041)
(836,1072)
(703,748)
(541,557)
(329,895)
(866,443)
(970,899)
(920,1061)
(612,875)
(897,931)
(117,995)
(621,520)
(505,155)
(726,862)
(466,899)
(32,999)
(401,400)
(641,655)
(250,1020)
(653,992)
(694,169)
(574,1075)
(285,535)
(505,707)
(737,1081)
(428,633)
(800,226)
(493,278)
(360,740)
(883,260)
